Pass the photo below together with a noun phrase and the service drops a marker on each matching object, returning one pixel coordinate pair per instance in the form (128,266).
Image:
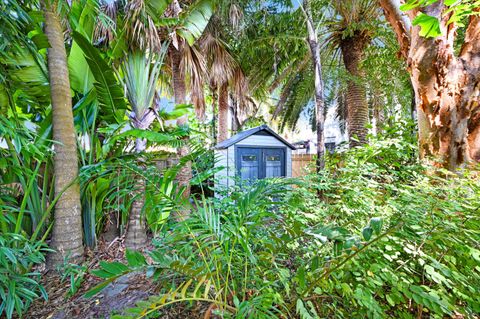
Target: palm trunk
(213,89)
(357,116)
(319,101)
(185,174)
(136,237)
(67,229)
(223,113)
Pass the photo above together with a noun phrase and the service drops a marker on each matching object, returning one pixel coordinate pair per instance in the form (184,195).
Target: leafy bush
(18,285)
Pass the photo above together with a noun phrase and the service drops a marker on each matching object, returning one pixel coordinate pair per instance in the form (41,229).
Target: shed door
(255,163)
(274,162)
(249,163)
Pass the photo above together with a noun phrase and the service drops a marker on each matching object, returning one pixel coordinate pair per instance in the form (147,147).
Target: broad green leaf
(109,92)
(135,258)
(156,8)
(81,77)
(195,20)
(367,233)
(376,223)
(95,290)
(429,26)
(114,267)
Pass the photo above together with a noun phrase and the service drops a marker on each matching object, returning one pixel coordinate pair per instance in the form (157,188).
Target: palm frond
(141,72)
(106,23)
(141,30)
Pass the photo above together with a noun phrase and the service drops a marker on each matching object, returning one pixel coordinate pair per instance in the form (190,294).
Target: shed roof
(243,135)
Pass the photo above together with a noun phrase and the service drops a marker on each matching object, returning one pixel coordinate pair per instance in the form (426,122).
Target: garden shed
(253,154)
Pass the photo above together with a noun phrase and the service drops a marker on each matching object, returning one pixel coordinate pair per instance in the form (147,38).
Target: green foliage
(25,191)
(140,76)
(74,273)
(430,26)
(195,19)
(18,284)
(108,91)
(457,10)
(386,239)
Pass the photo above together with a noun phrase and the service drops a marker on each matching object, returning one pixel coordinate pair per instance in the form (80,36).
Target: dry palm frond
(12,189)
(219,61)
(239,84)
(140,28)
(106,22)
(193,64)
(235,16)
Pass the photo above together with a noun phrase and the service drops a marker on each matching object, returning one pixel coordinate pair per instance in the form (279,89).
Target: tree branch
(400,23)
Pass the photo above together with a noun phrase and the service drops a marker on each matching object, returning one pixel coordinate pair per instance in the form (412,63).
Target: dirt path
(114,299)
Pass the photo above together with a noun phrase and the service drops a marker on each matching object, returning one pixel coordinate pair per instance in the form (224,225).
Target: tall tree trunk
(179,90)
(223,113)
(447,86)
(136,237)
(67,228)
(319,101)
(357,119)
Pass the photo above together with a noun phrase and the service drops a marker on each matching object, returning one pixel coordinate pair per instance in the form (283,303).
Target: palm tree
(289,62)
(176,51)
(185,61)
(67,229)
(141,72)
(221,68)
(352,34)
(286,60)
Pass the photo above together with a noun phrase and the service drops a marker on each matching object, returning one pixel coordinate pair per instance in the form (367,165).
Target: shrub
(18,285)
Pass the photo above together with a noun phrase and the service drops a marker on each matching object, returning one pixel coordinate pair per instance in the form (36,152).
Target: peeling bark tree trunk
(67,228)
(357,116)
(319,102)
(223,113)
(447,86)
(179,90)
